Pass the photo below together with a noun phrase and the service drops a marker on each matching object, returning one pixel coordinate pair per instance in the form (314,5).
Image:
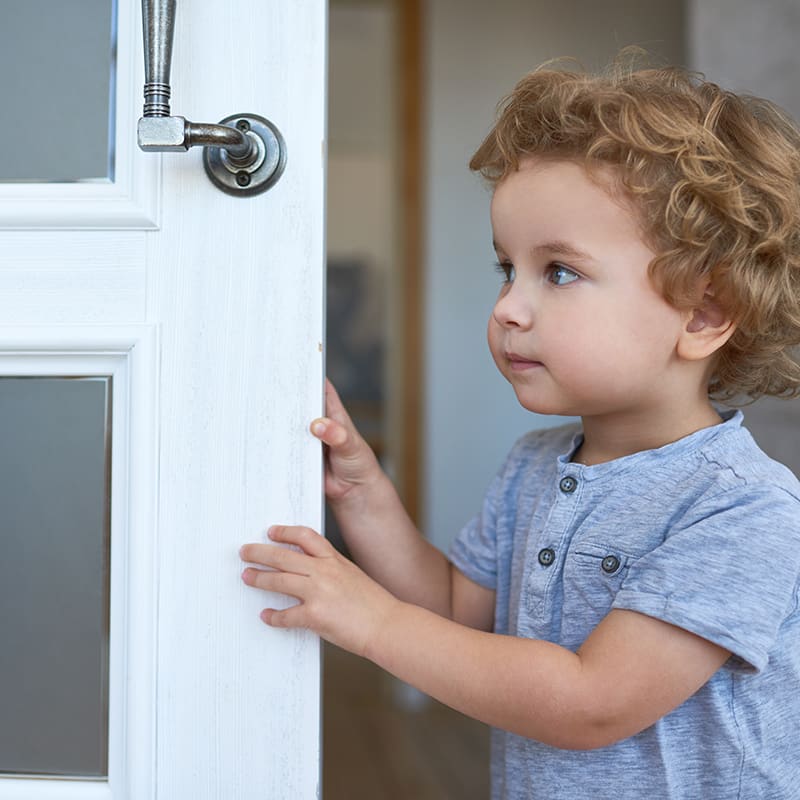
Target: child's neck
(608,437)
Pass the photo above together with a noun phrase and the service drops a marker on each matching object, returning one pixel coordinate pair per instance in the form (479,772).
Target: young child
(624,609)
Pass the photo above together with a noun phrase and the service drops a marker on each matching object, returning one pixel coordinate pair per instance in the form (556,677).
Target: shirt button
(546,556)
(610,564)
(568,484)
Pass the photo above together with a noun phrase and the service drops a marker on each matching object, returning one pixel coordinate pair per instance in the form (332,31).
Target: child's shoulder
(736,461)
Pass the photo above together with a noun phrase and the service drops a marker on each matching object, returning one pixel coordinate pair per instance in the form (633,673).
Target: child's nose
(513,308)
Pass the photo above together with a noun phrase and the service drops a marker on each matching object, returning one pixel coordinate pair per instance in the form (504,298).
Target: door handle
(243,155)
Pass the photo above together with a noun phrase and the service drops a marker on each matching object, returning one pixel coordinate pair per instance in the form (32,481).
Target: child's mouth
(519,363)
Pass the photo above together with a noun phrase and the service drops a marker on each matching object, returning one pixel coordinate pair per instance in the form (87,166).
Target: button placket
(555,538)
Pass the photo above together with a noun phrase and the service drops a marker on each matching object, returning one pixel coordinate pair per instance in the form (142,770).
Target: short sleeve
(728,572)
(474,551)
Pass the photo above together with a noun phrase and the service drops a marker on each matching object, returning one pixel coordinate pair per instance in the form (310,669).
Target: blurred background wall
(475,52)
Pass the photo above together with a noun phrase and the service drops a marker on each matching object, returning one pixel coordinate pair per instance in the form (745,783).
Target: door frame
(410,195)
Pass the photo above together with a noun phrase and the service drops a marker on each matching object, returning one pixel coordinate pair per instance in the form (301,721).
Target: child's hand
(349,460)
(337,600)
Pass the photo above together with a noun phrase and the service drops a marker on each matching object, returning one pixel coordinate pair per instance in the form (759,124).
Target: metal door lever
(244,155)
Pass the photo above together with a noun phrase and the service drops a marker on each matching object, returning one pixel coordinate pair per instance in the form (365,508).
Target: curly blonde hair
(715,178)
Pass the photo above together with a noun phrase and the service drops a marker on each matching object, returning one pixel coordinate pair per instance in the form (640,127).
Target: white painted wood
(129,355)
(234,288)
(240,297)
(96,276)
(36,789)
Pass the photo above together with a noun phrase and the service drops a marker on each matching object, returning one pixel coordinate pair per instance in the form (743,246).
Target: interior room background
(406,336)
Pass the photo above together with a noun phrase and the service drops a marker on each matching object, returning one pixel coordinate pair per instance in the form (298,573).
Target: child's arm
(631,671)
(380,535)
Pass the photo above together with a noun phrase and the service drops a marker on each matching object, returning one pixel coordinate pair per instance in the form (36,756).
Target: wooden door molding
(128,354)
(412,214)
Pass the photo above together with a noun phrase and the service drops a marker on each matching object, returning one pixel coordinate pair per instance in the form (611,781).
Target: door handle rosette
(243,155)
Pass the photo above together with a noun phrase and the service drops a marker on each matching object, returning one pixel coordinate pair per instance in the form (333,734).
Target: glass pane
(54,575)
(57,60)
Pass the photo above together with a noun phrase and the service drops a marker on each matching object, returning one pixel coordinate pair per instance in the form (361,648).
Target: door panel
(82,624)
(61,96)
(206,310)
(55,574)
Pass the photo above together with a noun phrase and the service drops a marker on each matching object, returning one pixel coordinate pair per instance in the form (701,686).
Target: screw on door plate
(255,175)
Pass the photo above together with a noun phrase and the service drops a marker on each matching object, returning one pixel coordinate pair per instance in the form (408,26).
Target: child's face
(578,328)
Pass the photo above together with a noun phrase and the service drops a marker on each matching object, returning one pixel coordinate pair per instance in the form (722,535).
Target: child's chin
(538,405)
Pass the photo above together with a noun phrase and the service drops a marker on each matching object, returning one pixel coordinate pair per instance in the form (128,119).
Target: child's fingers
(281,582)
(342,440)
(308,540)
(334,407)
(329,432)
(269,555)
(292,617)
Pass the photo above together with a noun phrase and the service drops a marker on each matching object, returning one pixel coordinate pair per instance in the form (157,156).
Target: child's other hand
(349,460)
(337,600)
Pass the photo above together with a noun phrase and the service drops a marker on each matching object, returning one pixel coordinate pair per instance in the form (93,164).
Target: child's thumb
(330,432)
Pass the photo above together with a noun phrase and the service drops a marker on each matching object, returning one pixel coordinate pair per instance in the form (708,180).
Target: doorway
(382,738)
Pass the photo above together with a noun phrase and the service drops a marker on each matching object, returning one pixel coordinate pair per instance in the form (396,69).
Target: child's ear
(707,327)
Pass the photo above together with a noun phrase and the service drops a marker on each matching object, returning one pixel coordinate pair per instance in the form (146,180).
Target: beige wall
(362,181)
(361,130)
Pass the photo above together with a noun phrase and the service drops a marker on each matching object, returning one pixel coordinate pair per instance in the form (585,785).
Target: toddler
(623,611)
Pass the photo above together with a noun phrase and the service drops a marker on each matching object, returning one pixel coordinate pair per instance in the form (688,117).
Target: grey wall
(753,47)
(476,51)
(748,47)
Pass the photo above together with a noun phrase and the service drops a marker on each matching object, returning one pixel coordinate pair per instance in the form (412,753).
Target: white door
(161,346)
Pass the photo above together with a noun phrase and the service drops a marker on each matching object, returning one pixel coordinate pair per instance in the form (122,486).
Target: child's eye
(560,275)
(506,269)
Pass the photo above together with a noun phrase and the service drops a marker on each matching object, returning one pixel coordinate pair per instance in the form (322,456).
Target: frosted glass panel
(57,63)
(54,575)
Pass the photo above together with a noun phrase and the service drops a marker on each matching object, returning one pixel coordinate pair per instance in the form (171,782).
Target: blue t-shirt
(703,533)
